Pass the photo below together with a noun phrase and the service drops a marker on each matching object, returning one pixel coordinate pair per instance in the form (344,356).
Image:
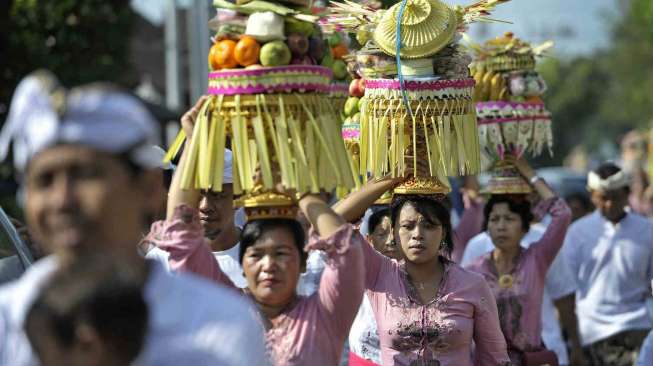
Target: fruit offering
(412,97)
(269,104)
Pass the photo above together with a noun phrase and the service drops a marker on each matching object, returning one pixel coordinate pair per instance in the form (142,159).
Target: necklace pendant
(506,281)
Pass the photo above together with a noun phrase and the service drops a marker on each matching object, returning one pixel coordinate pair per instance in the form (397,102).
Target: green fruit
(351,106)
(339,69)
(356,118)
(297,26)
(327,61)
(360,104)
(334,39)
(275,53)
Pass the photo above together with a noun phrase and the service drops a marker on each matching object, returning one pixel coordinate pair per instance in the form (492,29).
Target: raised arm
(341,286)
(181,234)
(176,195)
(352,207)
(471,222)
(182,237)
(549,245)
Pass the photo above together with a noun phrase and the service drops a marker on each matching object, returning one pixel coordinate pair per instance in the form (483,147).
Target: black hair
(432,210)
(376,218)
(582,198)
(253,230)
(517,203)
(607,170)
(103,293)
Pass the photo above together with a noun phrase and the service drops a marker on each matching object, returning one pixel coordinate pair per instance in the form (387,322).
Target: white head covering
(43,114)
(618,180)
(227,172)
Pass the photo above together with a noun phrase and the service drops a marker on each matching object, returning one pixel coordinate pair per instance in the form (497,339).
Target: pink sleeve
(549,245)
(491,348)
(375,264)
(183,238)
(341,286)
(471,224)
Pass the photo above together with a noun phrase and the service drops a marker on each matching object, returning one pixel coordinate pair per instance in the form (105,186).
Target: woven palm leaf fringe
(281,138)
(441,137)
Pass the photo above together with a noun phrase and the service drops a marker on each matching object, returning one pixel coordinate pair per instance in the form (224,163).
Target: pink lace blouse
(519,295)
(439,332)
(313,329)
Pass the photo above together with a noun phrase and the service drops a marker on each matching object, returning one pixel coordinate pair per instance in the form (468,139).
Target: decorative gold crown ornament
(260,204)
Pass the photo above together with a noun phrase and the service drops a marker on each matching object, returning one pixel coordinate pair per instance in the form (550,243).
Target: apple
(339,69)
(357,88)
(351,106)
(275,53)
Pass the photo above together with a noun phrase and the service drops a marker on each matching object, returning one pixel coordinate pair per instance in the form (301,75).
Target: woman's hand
(189,118)
(522,167)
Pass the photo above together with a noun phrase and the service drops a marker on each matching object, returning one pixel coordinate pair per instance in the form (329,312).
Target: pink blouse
(519,296)
(313,329)
(441,331)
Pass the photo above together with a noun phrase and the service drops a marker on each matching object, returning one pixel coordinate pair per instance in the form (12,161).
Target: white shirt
(613,266)
(363,335)
(191,321)
(228,260)
(558,283)
(646,352)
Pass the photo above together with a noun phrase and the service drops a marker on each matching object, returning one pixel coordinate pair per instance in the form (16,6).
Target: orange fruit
(247,51)
(339,51)
(221,55)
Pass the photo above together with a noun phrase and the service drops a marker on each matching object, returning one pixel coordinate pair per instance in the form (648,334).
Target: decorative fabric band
(303,78)
(615,181)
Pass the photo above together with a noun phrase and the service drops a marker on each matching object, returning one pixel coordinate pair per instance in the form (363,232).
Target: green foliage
(79,40)
(596,98)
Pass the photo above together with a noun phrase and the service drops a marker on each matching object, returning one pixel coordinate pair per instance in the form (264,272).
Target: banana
(486,85)
(503,95)
(496,85)
(478,78)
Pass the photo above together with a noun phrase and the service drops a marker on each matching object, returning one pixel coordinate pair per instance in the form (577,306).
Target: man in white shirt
(88,178)
(217,217)
(610,253)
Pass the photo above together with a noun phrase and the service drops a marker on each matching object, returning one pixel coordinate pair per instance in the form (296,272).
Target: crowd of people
(518,280)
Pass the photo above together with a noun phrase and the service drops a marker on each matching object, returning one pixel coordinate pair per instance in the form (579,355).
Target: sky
(578,27)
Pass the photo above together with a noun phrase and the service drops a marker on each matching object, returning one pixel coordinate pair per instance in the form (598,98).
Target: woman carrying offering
(428,309)
(299,330)
(516,275)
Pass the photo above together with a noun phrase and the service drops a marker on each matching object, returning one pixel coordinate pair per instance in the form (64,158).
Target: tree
(599,97)
(79,40)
